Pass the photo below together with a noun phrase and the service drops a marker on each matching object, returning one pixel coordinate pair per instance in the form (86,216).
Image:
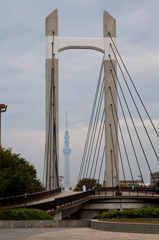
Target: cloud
(135,18)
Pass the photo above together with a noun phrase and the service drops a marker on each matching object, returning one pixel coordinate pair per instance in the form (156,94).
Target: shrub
(143,212)
(24,214)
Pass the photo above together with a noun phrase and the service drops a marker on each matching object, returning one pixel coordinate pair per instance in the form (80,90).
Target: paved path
(70,234)
(24,233)
(91,234)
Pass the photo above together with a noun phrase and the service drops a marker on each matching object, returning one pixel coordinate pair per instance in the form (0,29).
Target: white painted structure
(61,44)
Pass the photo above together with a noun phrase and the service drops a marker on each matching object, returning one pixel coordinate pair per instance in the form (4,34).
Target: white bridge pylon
(54,45)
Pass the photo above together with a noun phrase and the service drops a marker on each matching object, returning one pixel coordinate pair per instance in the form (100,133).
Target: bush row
(24,214)
(143,212)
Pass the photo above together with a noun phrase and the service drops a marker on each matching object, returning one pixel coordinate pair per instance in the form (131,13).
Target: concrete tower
(66,152)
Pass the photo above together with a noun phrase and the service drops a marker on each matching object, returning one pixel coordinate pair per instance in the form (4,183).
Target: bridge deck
(48,199)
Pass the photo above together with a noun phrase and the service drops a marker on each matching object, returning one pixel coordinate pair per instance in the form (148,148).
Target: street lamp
(141,179)
(3,108)
(60,180)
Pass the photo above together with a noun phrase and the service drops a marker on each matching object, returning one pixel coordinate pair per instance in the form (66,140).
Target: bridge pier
(52,105)
(58,216)
(111,147)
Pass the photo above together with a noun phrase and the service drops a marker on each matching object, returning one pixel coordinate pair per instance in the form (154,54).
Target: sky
(22,71)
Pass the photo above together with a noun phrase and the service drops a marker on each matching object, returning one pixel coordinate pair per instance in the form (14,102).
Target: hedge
(24,214)
(143,212)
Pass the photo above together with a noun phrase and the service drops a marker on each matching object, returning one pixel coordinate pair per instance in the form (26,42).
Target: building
(66,152)
(154,178)
(131,182)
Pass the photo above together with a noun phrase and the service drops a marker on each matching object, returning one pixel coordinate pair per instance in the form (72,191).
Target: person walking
(84,188)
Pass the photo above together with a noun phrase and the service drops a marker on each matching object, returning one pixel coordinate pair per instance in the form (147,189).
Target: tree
(157,184)
(123,184)
(86,181)
(18,176)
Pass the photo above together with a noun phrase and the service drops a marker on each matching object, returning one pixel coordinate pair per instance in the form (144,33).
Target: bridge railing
(72,198)
(27,197)
(62,201)
(129,190)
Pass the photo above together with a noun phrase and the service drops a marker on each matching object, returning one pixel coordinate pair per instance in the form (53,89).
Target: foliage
(17,175)
(157,184)
(123,184)
(143,212)
(87,182)
(24,214)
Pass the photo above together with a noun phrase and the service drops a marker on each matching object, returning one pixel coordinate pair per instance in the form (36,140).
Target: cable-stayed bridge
(121,138)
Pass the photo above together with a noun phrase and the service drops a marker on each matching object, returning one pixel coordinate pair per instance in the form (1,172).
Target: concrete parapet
(125,227)
(44,223)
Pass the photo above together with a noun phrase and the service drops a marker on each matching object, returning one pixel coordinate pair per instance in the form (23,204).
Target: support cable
(91,119)
(49,130)
(118,144)
(115,160)
(44,165)
(112,166)
(98,151)
(105,176)
(55,167)
(121,130)
(135,105)
(94,129)
(134,86)
(132,119)
(96,145)
(127,128)
(101,164)
(52,180)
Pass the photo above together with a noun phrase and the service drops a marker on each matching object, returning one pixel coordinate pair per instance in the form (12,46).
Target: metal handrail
(51,205)
(27,197)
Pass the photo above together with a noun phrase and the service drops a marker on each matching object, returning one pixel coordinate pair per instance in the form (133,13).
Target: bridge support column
(52,111)
(111,154)
(58,216)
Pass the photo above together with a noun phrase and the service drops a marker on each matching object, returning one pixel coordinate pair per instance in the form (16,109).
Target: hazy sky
(22,70)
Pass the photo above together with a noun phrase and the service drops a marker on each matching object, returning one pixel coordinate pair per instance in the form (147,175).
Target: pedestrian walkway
(24,233)
(70,234)
(48,199)
(88,233)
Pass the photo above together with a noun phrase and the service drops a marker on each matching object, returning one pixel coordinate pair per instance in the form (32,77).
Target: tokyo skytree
(66,152)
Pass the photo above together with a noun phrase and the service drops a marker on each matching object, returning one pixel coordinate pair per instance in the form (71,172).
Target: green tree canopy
(85,181)
(17,176)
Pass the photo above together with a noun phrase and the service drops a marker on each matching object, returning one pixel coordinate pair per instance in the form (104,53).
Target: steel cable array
(95,135)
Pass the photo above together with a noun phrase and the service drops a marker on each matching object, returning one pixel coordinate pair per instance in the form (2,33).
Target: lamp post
(60,179)
(141,179)
(3,108)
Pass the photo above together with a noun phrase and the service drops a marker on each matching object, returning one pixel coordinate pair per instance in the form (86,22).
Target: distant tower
(67,152)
